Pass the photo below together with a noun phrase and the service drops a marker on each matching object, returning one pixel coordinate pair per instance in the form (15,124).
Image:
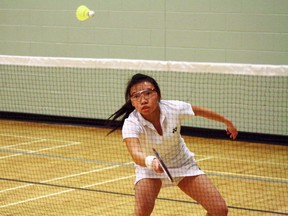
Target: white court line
(203,159)
(237,174)
(246,175)
(245,160)
(33,138)
(44,149)
(65,191)
(24,143)
(68,176)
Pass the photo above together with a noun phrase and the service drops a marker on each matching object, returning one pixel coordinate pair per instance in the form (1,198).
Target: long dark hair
(127,108)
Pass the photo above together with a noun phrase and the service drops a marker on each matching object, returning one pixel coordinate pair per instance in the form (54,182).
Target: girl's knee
(144,207)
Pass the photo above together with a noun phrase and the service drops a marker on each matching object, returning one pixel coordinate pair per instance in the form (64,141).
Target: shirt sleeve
(130,129)
(185,110)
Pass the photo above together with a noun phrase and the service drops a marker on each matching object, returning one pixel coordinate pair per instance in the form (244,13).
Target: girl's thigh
(202,190)
(146,192)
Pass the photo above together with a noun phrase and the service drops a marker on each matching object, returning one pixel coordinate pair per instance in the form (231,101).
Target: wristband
(149,162)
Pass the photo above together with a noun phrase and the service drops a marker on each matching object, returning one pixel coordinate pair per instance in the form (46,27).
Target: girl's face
(144,98)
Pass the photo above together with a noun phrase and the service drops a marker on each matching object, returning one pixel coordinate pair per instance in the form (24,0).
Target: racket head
(163,165)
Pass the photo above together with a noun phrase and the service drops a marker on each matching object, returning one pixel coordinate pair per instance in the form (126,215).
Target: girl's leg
(201,189)
(146,192)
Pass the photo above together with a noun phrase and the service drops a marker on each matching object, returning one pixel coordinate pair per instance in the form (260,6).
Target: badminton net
(76,170)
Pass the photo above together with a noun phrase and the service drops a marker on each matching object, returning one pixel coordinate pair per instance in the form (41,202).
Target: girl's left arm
(210,114)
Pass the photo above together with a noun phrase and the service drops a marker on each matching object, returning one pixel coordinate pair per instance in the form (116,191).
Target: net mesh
(75,170)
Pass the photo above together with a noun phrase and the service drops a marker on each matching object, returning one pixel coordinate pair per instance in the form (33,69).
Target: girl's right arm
(138,156)
(134,148)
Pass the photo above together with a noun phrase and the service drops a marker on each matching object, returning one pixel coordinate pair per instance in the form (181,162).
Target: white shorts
(190,168)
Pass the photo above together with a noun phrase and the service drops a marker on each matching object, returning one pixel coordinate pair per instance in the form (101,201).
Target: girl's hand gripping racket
(162,164)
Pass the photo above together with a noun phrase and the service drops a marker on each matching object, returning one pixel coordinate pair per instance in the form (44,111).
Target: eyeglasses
(146,93)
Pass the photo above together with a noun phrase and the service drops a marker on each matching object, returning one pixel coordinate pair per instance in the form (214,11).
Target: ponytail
(124,111)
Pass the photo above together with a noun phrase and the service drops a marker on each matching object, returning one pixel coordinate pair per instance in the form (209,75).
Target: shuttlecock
(83,13)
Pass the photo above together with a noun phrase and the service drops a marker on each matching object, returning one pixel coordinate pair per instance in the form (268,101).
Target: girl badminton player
(150,122)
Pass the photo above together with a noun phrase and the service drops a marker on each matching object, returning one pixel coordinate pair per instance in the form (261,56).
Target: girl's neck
(154,117)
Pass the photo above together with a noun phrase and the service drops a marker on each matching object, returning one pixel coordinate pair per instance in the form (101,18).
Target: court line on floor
(35,151)
(247,160)
(127,194)
(204,159)
(66,191)
(83,160)
(22,143)
(223,174)
(216,157)
(247,176)
(64,177)
(242,176)
(38,138)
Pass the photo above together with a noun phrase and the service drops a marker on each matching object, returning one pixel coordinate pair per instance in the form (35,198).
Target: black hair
(127,108)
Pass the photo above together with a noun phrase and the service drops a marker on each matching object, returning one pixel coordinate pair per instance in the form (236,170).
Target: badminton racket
(162,164)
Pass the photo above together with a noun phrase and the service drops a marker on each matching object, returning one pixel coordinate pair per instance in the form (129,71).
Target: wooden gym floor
(51,169)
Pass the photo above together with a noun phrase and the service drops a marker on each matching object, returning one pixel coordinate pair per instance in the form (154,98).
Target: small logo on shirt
(174,130)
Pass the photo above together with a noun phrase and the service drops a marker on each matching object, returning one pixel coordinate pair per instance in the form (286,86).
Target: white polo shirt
(171,146)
